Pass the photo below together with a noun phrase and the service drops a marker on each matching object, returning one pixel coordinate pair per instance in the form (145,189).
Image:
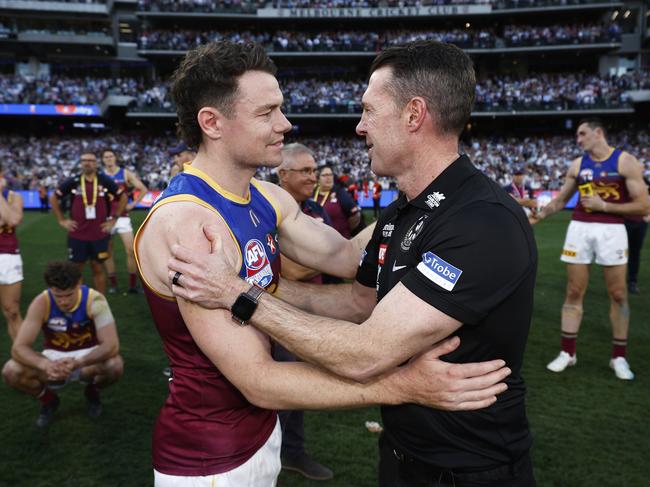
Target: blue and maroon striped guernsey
(206,425)
(607,182)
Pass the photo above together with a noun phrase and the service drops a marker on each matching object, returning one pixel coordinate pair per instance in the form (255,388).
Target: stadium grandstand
(89,75)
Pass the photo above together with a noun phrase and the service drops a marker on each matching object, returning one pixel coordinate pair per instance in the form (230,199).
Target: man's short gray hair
(290,151)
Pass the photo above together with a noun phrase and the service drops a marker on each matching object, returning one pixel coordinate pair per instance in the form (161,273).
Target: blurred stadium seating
(94,73)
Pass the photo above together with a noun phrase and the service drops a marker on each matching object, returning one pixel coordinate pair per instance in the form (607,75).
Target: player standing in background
(611,186)
(127,182)
(11,263)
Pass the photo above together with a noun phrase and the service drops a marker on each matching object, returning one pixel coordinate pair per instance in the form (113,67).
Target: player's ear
(210,120)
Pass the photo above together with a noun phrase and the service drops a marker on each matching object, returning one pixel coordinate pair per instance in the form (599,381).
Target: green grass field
(590,428)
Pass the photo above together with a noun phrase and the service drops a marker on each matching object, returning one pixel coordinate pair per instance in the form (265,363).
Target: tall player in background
(611,187)
(11,264)
(128,182)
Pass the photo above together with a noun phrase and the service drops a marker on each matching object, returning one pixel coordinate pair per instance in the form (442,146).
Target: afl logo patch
(258,267)
(255,255)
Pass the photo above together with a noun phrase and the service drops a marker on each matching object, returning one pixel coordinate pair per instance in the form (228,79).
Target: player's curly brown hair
(208,76)
(62,275)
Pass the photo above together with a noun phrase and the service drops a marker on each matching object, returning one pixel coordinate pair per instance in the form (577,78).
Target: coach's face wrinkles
(381,125)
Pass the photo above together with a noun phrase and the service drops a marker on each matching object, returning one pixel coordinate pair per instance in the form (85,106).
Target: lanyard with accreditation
(325,196)
(91,212)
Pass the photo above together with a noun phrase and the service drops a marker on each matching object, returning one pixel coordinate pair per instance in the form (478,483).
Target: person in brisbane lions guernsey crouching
(79,339)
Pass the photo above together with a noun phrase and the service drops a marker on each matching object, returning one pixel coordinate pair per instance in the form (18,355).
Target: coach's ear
(416,113)
(209,119)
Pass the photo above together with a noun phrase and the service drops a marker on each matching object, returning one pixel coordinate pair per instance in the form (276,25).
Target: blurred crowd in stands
(336,41)
(238,5)
(200,6)
(496,93)
(31,161)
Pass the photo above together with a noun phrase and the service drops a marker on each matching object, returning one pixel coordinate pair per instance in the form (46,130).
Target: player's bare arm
(121,206)
(295,272)
(107,339)
(203,280)
(134,182)
(312,243)
(346,348)
(567,190)
(243,353)
(11,209)
(23,352)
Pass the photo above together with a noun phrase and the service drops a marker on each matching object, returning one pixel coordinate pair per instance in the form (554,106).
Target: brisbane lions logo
(258,267)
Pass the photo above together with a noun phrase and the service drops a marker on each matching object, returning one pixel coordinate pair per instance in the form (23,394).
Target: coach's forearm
(331,300)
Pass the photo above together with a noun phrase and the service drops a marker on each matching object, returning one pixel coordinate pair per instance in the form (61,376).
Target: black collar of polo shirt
(447,182)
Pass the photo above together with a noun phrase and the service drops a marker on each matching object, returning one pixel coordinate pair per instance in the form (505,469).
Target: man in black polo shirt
(90,223)
(454,255)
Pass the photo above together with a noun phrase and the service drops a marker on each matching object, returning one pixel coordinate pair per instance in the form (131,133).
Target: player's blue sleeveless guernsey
(207,426)
(252,223)
(603,179)
(120,179)
(73,330)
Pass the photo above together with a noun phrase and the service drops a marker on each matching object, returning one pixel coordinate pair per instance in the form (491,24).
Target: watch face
(243,307)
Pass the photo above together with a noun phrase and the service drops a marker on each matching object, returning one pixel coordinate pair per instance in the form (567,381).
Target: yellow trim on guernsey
(172,199)
(48,305)
(76,305)
(213,184)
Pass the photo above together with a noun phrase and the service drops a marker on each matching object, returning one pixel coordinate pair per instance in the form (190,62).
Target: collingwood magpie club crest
(434,199)
(412,233)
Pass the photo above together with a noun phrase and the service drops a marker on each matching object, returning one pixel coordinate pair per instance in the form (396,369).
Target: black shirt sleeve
(472,261)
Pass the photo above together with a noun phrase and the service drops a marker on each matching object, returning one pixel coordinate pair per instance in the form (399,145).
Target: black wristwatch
(245,305)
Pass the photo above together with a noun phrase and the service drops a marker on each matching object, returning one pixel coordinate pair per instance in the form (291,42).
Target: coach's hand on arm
(206,277)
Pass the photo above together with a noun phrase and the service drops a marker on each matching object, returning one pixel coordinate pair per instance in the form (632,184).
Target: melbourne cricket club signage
(422,11)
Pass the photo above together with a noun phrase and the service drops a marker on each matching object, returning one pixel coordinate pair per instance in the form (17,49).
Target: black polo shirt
(465,247)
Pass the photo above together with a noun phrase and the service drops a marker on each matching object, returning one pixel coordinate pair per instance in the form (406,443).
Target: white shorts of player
(606,243)
(11,269)
(260,470)
(122,225)
(58,355)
